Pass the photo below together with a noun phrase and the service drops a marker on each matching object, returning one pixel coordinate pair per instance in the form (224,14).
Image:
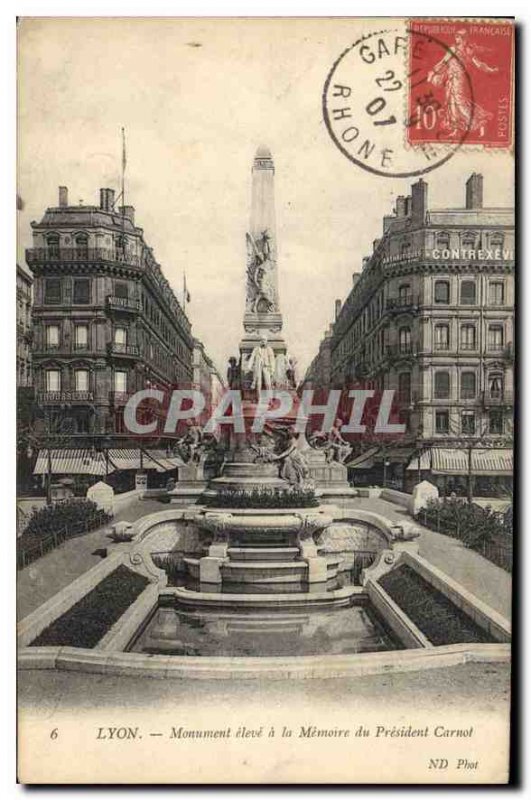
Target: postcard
(265,398)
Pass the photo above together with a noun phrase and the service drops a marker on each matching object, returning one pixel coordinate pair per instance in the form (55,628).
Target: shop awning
(134,458)
(365,460)
(446,461)
(72,462)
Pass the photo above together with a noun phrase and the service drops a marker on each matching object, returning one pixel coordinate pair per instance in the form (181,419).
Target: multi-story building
(206,377)
(24,329)
(431,316)
(319,374)
(106,321)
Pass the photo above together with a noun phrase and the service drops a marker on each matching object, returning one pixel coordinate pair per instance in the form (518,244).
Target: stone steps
(252,554)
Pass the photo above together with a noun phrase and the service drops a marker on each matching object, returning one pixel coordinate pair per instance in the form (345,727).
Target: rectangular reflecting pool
(356,629)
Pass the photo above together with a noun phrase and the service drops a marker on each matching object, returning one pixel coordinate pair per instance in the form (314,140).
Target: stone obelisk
(262,311)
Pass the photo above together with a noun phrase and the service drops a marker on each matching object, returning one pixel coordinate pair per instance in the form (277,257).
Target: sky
(197,97)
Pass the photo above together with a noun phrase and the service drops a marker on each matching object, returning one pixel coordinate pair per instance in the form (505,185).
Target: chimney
(375,243)
(128,212)
(419,201)
(387,222)
(401,206)
(364,261)
(106,199)
(355,278)
(337,308)
(474,191)
(63,196)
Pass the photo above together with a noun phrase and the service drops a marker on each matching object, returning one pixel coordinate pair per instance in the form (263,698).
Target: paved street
(48,575)
(481,687)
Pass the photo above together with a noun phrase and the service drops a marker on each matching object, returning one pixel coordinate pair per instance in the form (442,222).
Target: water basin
(173,631)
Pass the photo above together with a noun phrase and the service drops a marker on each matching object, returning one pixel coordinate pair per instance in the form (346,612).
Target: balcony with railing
(66,255)
(118,399)
(403,303)
(115,303)
(120,349)
(497,397)
(401,350)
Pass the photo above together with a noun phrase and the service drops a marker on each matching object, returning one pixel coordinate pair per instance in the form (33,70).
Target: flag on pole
(186,293)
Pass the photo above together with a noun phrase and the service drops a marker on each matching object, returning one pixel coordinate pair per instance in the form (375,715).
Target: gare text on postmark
(400,102)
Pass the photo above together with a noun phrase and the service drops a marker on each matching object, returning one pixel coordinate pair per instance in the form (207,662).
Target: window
(81,291)
(442,337)
(404,340)
(404,294)
(52,291)
(495,387)
(120,246)
(120,381)
(468,337)
(468,385)
(404,247)
(495,337)
(496,240)
(53,244)
(82,380)
(81,336)
(442,292)
(121,289)
(468,423)
(442,385)
(404,387)
(120,337)
(442,422)
(495,421)
(468,293)
(81,242)
(469,240)
(52,336)
(496,293)
(53,380)
(443,240)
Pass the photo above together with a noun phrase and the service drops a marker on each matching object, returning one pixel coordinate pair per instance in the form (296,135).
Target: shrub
(293,497)
(74,512)
(477,527)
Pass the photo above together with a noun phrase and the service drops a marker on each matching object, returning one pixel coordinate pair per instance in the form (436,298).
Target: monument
(262,319)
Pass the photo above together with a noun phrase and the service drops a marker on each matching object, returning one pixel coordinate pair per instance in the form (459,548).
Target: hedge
(88,620)
(436,616)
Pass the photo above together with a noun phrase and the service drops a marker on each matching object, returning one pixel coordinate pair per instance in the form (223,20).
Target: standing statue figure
(262,364)
(233,373)
(291,372)
(281,371)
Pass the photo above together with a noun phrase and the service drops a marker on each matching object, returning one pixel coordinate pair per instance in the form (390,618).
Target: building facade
(24,327)
(206,377)
(106,321)
(431,315)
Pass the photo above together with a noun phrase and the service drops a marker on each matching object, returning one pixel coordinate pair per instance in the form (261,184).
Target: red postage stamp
(460,82)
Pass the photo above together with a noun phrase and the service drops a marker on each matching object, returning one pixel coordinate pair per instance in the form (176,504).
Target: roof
(446,461)
(72,462)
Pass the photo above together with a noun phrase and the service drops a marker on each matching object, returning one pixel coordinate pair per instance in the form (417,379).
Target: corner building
(431,315)
(106,321)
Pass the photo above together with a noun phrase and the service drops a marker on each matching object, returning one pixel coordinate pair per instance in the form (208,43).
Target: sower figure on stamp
(461,112)
(262,364)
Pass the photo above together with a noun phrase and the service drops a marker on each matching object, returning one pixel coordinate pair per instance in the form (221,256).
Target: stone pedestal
(330,478)
(190,486)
